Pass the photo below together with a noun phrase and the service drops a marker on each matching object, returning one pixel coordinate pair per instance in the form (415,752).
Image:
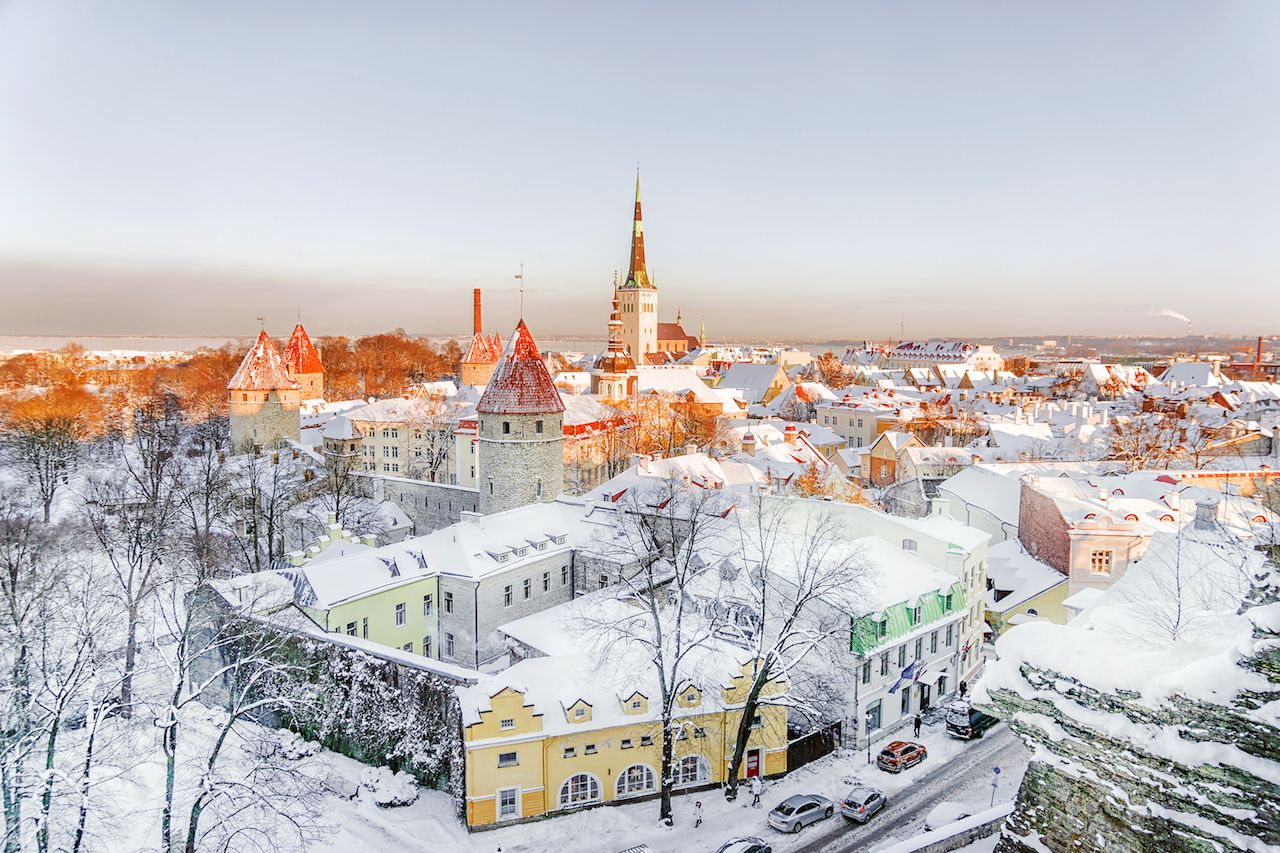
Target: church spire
(637,274)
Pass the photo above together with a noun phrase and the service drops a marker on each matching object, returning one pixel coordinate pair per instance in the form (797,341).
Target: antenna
(262,324)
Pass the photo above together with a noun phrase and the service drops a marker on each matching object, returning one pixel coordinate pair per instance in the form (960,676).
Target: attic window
(507,724)
(635,704)
(579,713)
(626,743)
(520,552)
(1169,518)
(589,749)
(569,752)
(646,740)
(1130,517)
(1091,515)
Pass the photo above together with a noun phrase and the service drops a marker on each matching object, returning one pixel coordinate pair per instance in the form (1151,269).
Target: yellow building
(1022,588)
(549,735)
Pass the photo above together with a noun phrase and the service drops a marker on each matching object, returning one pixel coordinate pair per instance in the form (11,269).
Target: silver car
(862,802)
(796,812)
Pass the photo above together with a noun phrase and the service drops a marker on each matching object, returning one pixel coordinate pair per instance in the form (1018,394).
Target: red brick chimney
(475,311)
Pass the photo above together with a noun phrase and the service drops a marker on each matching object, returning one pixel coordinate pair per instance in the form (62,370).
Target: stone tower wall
(519,459)
(263,422)
(477,374)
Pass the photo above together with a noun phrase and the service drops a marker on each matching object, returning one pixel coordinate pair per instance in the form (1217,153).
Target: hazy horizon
(982,169)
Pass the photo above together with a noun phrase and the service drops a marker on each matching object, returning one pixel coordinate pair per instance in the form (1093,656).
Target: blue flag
(906,675)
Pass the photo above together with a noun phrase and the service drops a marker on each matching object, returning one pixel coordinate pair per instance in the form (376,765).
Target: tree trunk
(170,741)
(10,779)
(130,659)
(744,733)
(86,770)
(46,794)
(668,777)
(193,824)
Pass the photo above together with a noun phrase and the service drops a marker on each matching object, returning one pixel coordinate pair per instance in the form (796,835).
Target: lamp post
(868,737)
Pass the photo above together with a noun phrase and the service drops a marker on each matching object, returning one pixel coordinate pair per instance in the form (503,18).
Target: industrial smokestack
(475,311)
(1257,358)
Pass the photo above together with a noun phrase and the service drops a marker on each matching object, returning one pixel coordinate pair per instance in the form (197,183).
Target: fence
(812,746)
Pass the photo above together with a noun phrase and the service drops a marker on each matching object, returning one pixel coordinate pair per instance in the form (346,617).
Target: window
(692,770)
(546,581)
(507,724)
(448,602)
(636,779)
(400,615)
(579,790)
(604,581)
(564,575)
(537,488)
(407,647)
(508,803)
(569,752)
(757,722)
(916,615)
(448,645)
(364,627)
(508,759)
(691,697)
(528,587)
(699,731)
(646,740)
(884,664)
(950,603)
(909,544)
(351,629)
(635,704)
(426,646)
(426,604)
(490,485)
(882,629)
(933,643)
(906,699)
(902,655)
(919,647)
(506,427)
(950,632)
(1031,611)
(873,716)
(579,713)
(537,427)
(866,673)
(506,596)
(589,749)
(1100,563)
(626,743)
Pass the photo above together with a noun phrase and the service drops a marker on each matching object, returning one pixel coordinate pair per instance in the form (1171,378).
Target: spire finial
(520,276)
(262,324)
(637,182)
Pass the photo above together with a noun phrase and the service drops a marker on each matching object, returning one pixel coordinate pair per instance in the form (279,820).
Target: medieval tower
(482,355)
(303,363)
(521,430)
(638,296)
(264,399)
(615,375)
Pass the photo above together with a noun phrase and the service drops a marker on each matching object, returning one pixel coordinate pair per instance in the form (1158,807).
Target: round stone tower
(264,400)
(521,430)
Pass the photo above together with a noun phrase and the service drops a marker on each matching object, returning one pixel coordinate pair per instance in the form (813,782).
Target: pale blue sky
(812,170)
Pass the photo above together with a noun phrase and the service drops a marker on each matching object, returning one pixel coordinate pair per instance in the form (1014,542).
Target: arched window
(636,779)
(1031,611)
(692,770)
(581,789)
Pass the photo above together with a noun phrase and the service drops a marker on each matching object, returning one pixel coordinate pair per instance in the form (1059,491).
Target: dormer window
(507,724)
(635,704)
(579,713)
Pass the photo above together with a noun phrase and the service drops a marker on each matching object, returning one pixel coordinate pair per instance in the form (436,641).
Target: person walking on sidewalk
(916,724)
(756,790)
(697,814)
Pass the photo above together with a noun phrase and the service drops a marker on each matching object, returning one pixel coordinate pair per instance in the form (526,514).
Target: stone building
(615,375)
(483,353)
(520,430)
(264,400)
(638,296)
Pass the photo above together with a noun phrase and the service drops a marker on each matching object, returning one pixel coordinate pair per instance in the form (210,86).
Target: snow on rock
(1153,715)
(388,789)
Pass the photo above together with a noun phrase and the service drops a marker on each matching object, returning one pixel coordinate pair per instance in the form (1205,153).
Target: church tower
(264,399)
(303,363)
(638,297)
(615,376)
(521,430)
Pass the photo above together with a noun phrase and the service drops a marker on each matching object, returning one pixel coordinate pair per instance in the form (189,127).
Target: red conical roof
(521,384)
(480,351)
(262,369)
(300,355)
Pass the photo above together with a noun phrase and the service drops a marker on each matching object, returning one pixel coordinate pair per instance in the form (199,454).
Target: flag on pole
(906,675)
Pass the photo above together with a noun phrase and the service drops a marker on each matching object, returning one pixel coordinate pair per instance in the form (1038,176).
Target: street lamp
(995,783)
(868,737)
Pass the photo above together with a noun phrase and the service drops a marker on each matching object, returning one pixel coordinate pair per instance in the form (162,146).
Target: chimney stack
(1206,513)
(475,311)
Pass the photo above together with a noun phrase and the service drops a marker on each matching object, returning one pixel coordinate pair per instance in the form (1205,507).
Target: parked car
(748,844)
(966,722)
(862,802)
(798,811)
(900,755)
(947,812)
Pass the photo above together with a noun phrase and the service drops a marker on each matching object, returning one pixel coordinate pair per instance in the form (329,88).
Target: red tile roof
(300,354)
(262,368)
(521,384)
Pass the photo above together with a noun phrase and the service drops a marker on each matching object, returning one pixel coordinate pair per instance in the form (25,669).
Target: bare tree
(265,491)
(801,587)
(666,538)
(44,438)
(432,422)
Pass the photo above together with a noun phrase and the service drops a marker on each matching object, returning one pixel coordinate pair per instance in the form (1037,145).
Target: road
(965,778)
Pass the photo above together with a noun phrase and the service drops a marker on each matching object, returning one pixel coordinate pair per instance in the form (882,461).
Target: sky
(812,171)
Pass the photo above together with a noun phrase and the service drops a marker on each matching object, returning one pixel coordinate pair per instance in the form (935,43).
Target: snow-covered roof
(753,380)
(340,428)
(263,368)
(520,383)
(1017,576)
(988,489)
(300,355)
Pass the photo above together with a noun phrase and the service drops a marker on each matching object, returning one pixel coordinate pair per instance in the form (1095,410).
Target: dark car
(748,844)
(966,722)
(862,802)
(796,812)
(900,755)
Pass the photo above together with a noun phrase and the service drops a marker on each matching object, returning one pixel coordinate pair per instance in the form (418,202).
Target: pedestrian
(964,688)
(916,723)
(697,814)
(756,790)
